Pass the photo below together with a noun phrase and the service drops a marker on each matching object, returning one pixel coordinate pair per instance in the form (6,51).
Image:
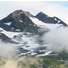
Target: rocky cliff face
(45,18)
(22,28)
(19,20)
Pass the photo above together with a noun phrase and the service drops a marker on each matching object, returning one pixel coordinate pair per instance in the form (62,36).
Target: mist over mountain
(20,19)
(45,18)
(26,31)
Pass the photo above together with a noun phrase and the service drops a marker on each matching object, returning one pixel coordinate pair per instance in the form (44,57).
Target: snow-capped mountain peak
(23,28)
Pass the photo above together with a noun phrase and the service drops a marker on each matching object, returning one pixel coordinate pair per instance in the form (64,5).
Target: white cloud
(52,9)
(57,10)
(57,40)
(8,50)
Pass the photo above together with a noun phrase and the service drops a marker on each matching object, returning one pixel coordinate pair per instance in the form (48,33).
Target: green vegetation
(30,62)
(39,62)
(63,55)
(51,62)
(2,62)
(44,62)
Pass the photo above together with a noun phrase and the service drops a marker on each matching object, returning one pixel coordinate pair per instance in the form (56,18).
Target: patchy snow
(27,42)
(55,19)
(42,50)
(30,42)
(45,25)
(2,29)
(16,41)
(22,54)
(59,21)
(20,20)
(8,23)
(33,54)
(9,34)
(45,54)
(17,29)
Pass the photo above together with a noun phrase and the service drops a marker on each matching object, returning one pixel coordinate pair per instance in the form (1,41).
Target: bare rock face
(23,27)
(19,12)
(19,21)
(45,18)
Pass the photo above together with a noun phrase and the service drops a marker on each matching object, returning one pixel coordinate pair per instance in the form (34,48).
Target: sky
(63,3)
(51,8)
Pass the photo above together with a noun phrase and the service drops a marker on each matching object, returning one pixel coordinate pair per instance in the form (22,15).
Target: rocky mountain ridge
(19,20)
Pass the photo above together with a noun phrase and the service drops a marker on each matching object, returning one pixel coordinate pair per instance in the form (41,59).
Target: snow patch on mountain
(45,54)
(45,25)
(8,23)
(8,33)
(26,42)
(20,20)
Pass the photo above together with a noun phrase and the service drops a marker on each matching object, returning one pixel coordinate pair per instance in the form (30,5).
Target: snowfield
(8,23)
(27,42)
(45,25)
(9,33)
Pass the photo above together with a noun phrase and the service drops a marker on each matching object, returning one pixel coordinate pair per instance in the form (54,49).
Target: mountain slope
(17,21)
(45,18)
(21,20)
(25,30)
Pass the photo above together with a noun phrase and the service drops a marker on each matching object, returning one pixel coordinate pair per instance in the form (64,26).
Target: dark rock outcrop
(19,20)
(45,18)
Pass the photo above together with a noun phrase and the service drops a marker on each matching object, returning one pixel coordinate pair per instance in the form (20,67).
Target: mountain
(45,18)
(25,30)
(20,20)
(17,21)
